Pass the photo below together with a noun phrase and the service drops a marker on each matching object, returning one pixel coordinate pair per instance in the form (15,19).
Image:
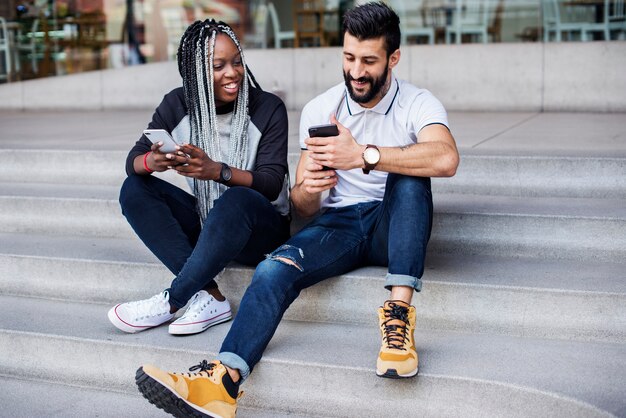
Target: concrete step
(508,175)
(559,228)
(307,365)
(37,398)
(532,176)
(64,166)
(575,275)
(22,398)
(91,132)
(490,225)
(577,300)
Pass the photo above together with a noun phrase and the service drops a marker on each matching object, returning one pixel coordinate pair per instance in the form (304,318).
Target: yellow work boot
(208,393)
(397,357)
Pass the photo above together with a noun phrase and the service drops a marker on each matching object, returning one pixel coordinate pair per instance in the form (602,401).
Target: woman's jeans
(242,226)
(393,232)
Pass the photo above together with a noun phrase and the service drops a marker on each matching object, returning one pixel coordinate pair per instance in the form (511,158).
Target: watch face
(226,174)
(371,155)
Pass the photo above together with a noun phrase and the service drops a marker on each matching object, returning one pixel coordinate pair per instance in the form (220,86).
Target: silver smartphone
(161,135)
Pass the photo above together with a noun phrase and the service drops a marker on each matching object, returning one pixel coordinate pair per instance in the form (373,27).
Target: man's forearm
(427,159)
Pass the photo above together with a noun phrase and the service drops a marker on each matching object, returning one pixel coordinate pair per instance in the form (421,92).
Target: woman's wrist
(145,163)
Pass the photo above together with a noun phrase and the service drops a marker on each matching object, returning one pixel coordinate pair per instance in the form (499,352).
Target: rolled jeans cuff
(233,361)
(403,280)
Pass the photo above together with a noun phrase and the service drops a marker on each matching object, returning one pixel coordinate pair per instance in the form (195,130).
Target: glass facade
(41,38)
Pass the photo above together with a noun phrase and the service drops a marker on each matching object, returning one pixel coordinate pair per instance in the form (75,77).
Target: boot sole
(159,395)
(393,374)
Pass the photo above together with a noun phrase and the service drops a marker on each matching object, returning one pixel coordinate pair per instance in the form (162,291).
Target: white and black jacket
(267,136)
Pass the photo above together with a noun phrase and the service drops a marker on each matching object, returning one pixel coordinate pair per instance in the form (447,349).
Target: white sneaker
(142,314)
(203,312)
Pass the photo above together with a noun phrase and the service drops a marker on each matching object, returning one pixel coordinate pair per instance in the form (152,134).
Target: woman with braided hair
(232,150)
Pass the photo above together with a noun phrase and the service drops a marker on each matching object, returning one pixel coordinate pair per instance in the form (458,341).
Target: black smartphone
(323,131)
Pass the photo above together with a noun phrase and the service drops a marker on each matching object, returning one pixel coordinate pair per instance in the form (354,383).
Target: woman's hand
(155,160)
(161,161)
(195,163)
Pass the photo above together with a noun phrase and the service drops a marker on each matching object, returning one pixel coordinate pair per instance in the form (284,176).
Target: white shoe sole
(392,374)
(197,327)
(126,327)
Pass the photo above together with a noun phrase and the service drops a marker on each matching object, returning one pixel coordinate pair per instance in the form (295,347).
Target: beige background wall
(493,77)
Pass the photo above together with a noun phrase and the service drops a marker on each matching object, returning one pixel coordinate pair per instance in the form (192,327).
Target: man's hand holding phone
(316,178)
(339,151)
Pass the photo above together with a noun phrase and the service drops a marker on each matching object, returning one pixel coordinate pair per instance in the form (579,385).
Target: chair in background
(470,17)
(92,40)
(614,19)
(279,36)
(175,23)
(309,22)
(438,17)
(6,66)
(554,25)
(495,28)
(412,22)
(258,38)
(27,43)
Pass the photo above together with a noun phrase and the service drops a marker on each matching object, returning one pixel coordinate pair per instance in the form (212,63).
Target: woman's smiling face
(228,71)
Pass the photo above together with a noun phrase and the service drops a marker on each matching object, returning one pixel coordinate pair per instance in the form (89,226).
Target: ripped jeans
(393,232)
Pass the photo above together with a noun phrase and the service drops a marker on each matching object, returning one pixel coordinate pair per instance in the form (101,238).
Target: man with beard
(392,138)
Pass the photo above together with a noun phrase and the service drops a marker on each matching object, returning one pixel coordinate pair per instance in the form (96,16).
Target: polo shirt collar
(381,107)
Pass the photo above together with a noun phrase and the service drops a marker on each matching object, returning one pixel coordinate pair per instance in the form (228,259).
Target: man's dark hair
(371,21)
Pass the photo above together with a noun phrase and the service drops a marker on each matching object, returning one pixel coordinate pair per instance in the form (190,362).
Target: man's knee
(280,269)
(417,186)
(288,255)
(406,193)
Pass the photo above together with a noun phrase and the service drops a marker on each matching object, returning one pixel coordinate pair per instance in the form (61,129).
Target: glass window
(47,38)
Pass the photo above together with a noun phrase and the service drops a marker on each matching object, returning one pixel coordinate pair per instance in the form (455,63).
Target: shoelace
(141,306)
(196,307)
(395,334)
(204,367)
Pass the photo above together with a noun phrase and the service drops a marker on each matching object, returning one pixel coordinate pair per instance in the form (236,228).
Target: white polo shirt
(395,121)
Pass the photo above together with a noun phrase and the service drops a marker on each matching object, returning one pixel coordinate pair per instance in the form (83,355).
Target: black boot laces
(395,335)
(203,366)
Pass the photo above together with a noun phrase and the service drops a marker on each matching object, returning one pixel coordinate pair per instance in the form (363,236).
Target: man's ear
(394,58)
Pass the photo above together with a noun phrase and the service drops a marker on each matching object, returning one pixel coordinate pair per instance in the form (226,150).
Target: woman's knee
(235,197)
(238,205)
(132,190)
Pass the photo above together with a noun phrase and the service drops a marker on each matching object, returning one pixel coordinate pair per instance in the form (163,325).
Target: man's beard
(376,86)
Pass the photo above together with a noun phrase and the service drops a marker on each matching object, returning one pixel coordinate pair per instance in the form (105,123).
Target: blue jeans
(242,226)
(393,232)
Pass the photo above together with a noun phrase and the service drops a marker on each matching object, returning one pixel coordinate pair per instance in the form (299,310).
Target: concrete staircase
(523,311)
